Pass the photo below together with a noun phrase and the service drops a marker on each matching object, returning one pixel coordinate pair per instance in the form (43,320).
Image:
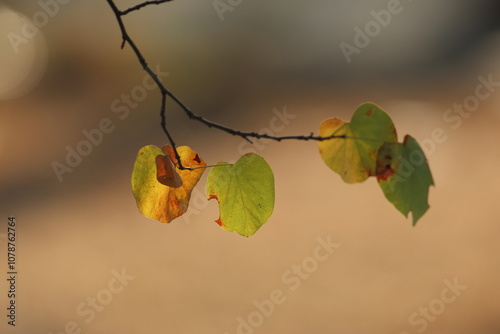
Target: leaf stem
(207,166)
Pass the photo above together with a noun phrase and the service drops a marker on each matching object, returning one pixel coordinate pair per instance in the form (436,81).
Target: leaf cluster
(364,147)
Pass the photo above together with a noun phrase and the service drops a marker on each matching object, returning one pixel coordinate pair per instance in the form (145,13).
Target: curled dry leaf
(166,172)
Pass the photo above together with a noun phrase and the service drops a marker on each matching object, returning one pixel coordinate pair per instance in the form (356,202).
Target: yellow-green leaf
(159,201)
(245,192)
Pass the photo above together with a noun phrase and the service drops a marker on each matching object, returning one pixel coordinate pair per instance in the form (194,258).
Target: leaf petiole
(193,168)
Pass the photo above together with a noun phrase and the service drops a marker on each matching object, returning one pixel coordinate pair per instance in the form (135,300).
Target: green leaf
(354,156)
(404,176)
(159,201)
(245,192)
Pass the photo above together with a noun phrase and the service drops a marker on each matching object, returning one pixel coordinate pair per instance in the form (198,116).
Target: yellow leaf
(159,201)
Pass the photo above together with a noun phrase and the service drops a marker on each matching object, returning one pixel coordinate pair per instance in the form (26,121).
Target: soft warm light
(23,54)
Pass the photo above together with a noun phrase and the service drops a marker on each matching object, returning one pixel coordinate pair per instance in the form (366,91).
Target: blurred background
(246,65)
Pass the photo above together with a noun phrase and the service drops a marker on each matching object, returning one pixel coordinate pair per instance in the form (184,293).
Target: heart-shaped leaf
(159,201)
(354,155)
(245,192)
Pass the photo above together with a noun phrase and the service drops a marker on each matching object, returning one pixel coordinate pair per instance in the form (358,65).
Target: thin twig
(144,4)
(127,40)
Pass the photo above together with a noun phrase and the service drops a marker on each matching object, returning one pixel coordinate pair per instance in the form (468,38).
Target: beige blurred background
(191,276)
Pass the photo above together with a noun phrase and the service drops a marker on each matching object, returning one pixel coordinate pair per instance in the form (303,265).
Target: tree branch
(126,39)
